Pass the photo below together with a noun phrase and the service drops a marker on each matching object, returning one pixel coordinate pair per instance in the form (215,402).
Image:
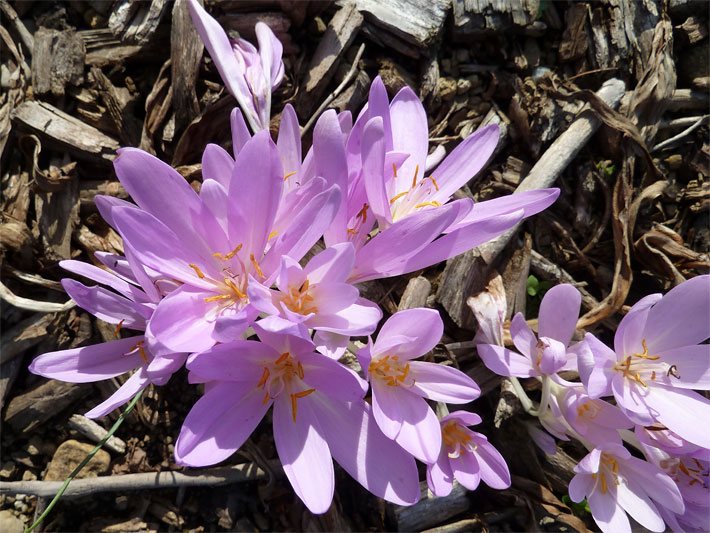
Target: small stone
(69,455)
(7,469)
(9,523)
(463,86)
(28,475)
(546,521)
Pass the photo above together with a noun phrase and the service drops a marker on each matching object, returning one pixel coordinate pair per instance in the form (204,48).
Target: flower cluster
(232,283)
(659,357)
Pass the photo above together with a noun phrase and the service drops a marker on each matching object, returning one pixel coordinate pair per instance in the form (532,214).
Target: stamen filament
(436,185)
(287,176)
(197,270)
(414,179)
(294,400)
(118,328)
(397,197)
(256,265)
(424,204)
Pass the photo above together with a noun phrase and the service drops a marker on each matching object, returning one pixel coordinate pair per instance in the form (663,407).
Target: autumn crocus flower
(400,385)
(543,354)
(213,242)
(657,360)
(248,74)
(318,414)
(616,483)
(596,420)
(126,304)
(466,456)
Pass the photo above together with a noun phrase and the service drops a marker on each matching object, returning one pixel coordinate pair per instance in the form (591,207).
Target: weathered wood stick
(145,481)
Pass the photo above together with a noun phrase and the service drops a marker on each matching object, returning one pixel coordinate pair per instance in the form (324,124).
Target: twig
(340,88)
(33,305)
(22,31)
(209,477)
(671,143)
(34,278)
(96,433)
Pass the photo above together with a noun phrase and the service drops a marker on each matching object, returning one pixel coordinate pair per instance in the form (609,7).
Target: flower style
(657,359)
(400,385)
(615,483)
(248,74)
(318,415)
(549,351)
(466,456)
(129,305)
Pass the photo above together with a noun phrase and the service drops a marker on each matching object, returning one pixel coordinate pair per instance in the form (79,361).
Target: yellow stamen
(294,400)
(217,297)
(197,270)
(118,329)
(397,197)
(228,255)
(414,179)
(394,170)
(141,352)
(424,204)
(256,265)
(264,377)
(233,286)
(282,358)
(273,234)
(436,185)
(287,176)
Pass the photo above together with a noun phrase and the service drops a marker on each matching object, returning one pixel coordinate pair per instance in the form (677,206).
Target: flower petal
(137,382)
(89,363)
(681,317)
(420,433)
(331,378)
(559,311)
(492,467)
(373,162)
(385,408)
(466,470)
(439,476)
(442,383)
(375,461)
(692,364)
(629,334)
(289,141)
(523,337)
(682,411)
(505,362)
(332,264)
(217,165)
(423,326)
(607,513)
(106,305)
(219,423)
(234,361)
(240,132)
(410,134)
(304,453)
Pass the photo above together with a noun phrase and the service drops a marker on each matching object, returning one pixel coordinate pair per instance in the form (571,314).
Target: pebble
(28,475)
(7,469)
(68,456)
(9,523)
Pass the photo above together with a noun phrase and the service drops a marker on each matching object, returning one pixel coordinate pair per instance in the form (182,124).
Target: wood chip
(31,409)
(64,132)
(58,60)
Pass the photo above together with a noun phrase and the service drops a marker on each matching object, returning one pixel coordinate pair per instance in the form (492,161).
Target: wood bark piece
(136,22)
(415,295)
(463,274)
(117,108)
(95,432)
(337,38)
(24,335)
(417,22)
(58,60)
(479,18)
(63,131)
(57,214)
(185,53)
(211,477)
(33,408)
(430,510)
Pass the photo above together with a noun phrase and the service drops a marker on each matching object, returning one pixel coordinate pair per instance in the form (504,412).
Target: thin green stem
(86,460)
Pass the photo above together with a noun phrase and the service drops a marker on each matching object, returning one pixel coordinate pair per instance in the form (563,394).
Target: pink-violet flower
(400,385)
(249,74)
(465,456)
(318,414)
(616,483)
(657,359)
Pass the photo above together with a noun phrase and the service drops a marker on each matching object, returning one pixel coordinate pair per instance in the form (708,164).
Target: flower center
(635,364)
(588,409)
(284,374)
(687,470)
(456,439)
(608,468)
(415,197)
(300,300)
(391,370)
(140,349)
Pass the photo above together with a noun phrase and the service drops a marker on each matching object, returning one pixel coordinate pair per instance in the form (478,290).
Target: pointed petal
(423,325)
(106,305)
(410,133)
(255,193)
(629,334)
(682,411)
(128,390)
(331,378)
(492,467)
(466,160)
(559,311)
(580,486)
(385,407)
(219,423)
(607,513)
(442,383)
(333,264)
(240,132)
(505,362)
(289,141)
(356,320)
(373,163)
(234,361)
(466,470)
(89,363)
(179,322)
(681,317)
(217,165)
(439,476)
(375,461)
(633,500)
(304,453)
(420,433)
(692,365)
